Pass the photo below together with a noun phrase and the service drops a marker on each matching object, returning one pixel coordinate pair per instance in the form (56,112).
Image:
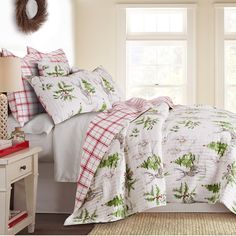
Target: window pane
(230,62)
(150,63)
(156,20)
(176,93)
(230,19)
(230,99)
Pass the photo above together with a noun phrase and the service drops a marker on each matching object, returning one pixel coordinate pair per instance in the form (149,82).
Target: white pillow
(64,97)
(40,124)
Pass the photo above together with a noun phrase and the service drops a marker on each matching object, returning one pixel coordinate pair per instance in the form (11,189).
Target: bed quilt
(188,152)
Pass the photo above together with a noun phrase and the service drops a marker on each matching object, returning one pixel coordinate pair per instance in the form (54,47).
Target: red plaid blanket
(102,131)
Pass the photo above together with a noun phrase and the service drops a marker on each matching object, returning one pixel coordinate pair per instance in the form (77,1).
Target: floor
(52,224)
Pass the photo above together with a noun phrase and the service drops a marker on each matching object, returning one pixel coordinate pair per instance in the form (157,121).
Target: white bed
(58,197)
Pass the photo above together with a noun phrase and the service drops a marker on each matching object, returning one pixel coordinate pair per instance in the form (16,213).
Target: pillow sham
(109,86)
(55,69)
(68,96)
(24,105)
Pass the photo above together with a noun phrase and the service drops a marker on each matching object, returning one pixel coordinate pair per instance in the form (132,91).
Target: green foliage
(175,128)
(147,122)
(186,160)
(58,71)
(111,161)
(215,189)
(230,175)
(108,85)
(85,217)
(64,91)
(103,108)
(225,125)
(189,124)
(88,87)
(184,193)
(135,133)
(129,180)
(118,200)
(46,86)
(219,147)
(153,162)
(154,195)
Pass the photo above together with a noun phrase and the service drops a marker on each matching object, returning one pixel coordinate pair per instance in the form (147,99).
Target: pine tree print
(135,133)
(147,122)
(110,162)
(108,86)
(88,87)
(225,125)
(129,180)
(215,189)
(85,217)
(184,193)
(121,209)
(58,71)
(230,175)
(189,124)
(219,147)
(103,108)
(155,195)
(153,162)
(64,91)
(187,160)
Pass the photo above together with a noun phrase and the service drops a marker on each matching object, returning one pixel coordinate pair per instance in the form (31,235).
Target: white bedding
(68,139)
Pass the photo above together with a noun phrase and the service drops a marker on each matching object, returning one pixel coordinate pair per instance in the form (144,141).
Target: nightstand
(15,167)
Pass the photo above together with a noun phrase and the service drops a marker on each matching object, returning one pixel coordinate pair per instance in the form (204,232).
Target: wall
(96,39)
(56,32)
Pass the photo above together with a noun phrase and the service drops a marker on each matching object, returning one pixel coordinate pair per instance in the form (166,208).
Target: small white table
(15,167)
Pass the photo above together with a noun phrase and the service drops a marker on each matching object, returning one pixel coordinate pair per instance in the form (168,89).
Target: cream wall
(96,39)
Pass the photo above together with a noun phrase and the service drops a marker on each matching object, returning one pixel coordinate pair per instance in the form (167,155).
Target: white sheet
(40,124)
(68,139)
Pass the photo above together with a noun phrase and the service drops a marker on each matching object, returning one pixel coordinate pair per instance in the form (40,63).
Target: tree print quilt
(192,148)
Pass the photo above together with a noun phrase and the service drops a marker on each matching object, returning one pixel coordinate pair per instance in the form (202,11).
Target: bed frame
(54,197)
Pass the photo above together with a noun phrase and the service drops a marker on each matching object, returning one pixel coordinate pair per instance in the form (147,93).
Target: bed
(108,158)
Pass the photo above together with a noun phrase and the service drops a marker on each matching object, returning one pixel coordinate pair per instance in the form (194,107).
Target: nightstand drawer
(20,168)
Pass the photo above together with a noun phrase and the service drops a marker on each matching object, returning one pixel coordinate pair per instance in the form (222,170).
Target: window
(226,56)
(157,51)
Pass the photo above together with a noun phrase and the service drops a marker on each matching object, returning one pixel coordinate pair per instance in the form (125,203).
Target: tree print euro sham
(185,155)
(66,96)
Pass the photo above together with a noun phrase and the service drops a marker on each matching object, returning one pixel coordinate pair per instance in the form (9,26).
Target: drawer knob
(23,167)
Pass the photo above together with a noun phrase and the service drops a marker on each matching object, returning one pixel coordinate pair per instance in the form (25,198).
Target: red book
(14,148)
(17,219)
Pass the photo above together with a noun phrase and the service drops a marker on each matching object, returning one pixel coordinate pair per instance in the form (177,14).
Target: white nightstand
(15,167)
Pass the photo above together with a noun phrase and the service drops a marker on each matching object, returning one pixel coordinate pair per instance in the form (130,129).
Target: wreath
(30,14)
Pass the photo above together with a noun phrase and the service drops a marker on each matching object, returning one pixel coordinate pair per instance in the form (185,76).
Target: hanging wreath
(30,14)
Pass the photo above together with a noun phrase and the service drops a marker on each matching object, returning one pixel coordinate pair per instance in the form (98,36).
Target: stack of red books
(16,218)
(14,148)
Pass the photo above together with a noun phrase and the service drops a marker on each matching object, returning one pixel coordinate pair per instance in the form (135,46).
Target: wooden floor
(52,224)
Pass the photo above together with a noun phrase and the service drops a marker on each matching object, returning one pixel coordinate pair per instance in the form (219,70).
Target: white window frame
(190,38)
(220,37)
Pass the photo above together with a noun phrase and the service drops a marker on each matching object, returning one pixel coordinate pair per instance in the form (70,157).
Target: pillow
(40,124)
(24,104)
(67,96)
(54,56)
(55,69)
(110,88)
